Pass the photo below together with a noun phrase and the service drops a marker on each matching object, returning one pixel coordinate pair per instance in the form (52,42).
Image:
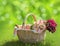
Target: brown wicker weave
(28,35)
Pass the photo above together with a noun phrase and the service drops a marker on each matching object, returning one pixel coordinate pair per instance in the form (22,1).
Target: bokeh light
(2,18)
(14,12)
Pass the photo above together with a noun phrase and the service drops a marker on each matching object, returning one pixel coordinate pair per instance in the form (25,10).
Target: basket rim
(27,30)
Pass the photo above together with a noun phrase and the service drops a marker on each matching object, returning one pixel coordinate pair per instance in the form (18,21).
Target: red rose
(51,25)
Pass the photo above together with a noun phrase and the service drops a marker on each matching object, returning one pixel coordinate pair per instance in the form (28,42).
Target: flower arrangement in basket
(34,32)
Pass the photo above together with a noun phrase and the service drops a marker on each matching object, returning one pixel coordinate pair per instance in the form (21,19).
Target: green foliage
(14,11)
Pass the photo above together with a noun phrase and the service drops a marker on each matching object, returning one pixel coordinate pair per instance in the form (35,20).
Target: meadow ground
(7,38)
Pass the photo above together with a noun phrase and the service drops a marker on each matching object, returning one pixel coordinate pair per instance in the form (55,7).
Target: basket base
(32,41)
(30,37)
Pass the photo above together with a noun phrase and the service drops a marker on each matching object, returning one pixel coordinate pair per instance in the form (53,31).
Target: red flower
(51,25)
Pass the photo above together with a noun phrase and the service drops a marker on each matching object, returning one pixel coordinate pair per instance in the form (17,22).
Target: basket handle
(27,17)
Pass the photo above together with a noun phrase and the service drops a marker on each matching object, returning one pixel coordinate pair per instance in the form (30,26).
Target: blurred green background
(14,11)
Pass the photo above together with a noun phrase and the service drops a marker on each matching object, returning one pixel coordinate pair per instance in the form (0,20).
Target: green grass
(7,38)
(14,11)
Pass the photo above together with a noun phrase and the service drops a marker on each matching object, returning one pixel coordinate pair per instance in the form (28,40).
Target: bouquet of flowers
(34,32)
(42,25)
(51,25)
(39,26)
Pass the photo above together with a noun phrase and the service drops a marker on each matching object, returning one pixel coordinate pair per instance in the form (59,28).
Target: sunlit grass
(14,11)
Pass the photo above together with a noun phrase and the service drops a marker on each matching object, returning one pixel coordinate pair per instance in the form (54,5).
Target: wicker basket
(28,35)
